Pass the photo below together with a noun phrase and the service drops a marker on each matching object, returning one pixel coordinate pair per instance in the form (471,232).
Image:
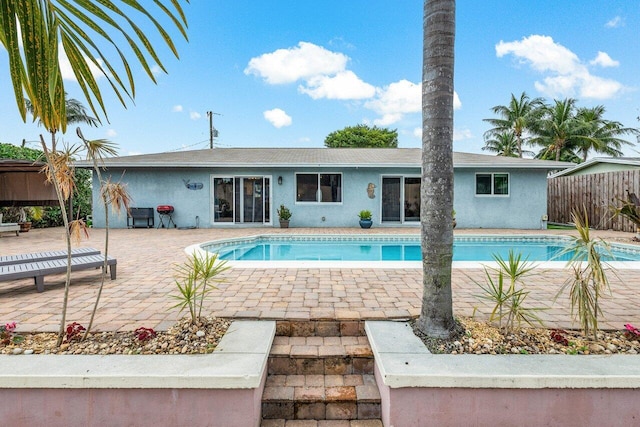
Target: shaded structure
(22,184)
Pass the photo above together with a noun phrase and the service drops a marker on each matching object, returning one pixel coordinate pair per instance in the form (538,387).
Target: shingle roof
(315,157)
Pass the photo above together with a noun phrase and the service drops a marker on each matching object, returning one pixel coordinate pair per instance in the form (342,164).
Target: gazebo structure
(22,184)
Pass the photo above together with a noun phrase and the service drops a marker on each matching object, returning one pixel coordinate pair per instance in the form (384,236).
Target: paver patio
(141,295)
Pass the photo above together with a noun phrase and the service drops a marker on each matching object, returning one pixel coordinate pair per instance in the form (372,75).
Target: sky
(286,73)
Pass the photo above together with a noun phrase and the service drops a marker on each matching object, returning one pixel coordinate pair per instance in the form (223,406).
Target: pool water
(344,248)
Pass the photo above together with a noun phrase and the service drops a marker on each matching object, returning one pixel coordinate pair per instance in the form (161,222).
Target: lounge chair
(39,269)
(45,256)
(7,227)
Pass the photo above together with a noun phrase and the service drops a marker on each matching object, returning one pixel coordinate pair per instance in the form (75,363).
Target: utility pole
(213,132)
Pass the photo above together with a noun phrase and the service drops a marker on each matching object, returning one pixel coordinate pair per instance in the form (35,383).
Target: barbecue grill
(165,213)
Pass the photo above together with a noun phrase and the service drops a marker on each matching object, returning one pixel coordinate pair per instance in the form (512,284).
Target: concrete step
(321,423)
(321,397)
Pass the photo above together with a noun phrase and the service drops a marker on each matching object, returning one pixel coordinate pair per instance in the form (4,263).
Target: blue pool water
(345,248)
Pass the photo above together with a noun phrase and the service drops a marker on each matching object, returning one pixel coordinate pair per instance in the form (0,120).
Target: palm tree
(436,192)
(75,113)
(516,117)
(504,144)
(558,130)
(601,135)
(33,32)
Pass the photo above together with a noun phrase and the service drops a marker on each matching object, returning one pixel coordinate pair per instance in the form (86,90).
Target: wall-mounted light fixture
(279,180)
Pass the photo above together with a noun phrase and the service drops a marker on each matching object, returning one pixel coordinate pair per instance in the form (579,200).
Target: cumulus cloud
(177,108)
(615,22)
(604,60)
(111,133)
(344,85)
(155,70)
(277,117)
(194,115)
(302,62)
(565,74)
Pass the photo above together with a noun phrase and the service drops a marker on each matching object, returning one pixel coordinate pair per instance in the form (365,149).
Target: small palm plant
(195,280)
(589,279)
(509,298)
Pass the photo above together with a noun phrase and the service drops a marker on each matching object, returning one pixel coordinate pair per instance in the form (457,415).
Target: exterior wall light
(279,180)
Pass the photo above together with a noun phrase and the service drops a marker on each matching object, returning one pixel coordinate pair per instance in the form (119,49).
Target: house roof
(315,157)
(629,161)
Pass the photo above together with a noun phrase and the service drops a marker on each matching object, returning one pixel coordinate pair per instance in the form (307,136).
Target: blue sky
(287,73)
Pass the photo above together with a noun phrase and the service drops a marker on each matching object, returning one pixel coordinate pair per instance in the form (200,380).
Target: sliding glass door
(400,199)
(242,199)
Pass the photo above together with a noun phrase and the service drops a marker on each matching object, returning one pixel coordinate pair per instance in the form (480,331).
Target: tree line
(561,130)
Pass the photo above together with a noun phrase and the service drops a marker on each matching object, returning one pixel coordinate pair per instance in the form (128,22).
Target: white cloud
(111,133)
(417,132)
(194,115)
(615,22)
(344,85)
(277,117)
(302,62)
(177,108)
(604,60)
(565,74)
(155,70)
(462,134)
(67,71)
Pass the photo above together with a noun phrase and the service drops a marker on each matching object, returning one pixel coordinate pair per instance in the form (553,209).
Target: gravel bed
(182,338)
(476,337)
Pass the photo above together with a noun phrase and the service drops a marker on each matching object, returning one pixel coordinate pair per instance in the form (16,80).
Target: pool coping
(317,264)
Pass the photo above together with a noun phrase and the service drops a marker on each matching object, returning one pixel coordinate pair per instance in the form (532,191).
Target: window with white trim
(319,187)
(492,184)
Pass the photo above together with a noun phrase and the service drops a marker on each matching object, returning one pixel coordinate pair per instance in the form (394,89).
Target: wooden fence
(597,192)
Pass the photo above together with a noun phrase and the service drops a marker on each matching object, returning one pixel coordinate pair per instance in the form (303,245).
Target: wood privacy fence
(597,192)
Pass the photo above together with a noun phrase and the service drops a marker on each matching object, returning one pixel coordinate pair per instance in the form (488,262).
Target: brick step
(320,328)
(320,355)
(321,423)
(321,397)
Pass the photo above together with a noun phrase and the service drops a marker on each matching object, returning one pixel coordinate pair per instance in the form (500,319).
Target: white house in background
(324,187)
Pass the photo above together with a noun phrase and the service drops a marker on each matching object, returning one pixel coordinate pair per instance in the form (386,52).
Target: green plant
(628,209)
(509,298)
(284,214)
(589,279)
(8,335)
(195,279)
(365,215)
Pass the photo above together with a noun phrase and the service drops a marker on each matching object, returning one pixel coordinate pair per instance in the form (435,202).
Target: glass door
(391,199)
(241,200)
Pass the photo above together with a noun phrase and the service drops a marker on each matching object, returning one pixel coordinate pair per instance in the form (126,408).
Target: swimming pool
(385,248)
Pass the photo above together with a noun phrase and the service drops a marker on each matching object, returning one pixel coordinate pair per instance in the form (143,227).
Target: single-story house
(601,165)
(323,187)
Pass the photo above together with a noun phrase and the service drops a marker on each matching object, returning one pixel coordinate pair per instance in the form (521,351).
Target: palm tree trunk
(436,192)
(65,221)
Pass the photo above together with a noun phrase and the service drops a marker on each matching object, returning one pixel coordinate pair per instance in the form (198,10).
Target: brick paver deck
(141,294)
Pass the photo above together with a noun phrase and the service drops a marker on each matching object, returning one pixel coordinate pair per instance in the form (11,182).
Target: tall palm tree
(75,113)
(558,130)
(436,191)
(504,144)
(601,135)
(516,117)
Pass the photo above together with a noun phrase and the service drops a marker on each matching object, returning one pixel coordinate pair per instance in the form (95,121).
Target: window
(492,184)
(319,187)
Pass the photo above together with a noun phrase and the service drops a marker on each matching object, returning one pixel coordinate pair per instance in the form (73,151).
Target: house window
(319,187)
(492,184)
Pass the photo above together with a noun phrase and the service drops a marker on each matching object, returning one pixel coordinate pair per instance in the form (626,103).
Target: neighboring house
(601,165)
(324,187)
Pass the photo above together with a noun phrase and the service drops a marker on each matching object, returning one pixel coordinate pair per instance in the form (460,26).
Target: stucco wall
(523,208)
